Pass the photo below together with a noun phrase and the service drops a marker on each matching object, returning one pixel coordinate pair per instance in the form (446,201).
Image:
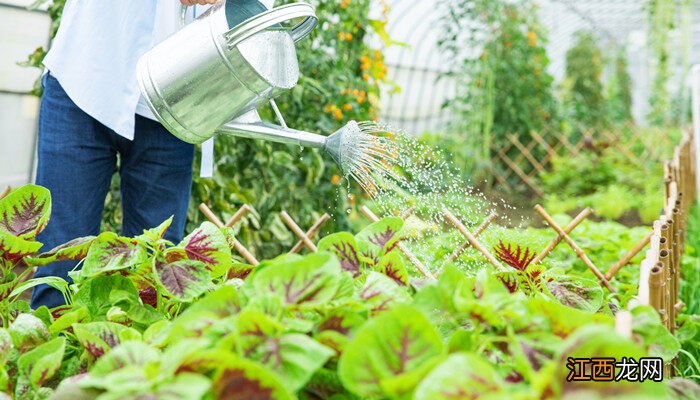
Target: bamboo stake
(413,259)
(463,229)
(477,232)
(407,212)
(623,323)
(656,288)
(665,293)
(580,253)
(572,225)
(297,231)
(245,209)
(5,192)
(629,256)
(311,232)
(238,246)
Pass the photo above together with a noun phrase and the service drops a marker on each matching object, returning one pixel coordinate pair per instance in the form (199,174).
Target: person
(92,113)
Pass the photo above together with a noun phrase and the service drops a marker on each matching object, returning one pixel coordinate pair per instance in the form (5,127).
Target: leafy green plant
(583,83)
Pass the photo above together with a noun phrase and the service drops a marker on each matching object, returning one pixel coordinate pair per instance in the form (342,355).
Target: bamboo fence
(522,158)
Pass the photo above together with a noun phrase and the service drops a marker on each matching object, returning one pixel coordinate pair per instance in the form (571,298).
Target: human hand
(193,2)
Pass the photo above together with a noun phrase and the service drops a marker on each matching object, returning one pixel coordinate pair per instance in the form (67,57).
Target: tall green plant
(662,20)
(583,84)
(620,91)
(504,87)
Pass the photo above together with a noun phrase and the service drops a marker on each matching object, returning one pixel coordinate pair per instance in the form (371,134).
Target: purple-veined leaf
(576,292)
(461,376)
(240,271)
(111,252)
(392,265)
(380,293)
(132,353)
(510,279)
(184,280)
(25,211)
(344,247)
(384,233)
(294,357)
(76,249)
(341,320)
(40,364)
(309,281)
(399,345)
(208,244)
(13,248)
(99,337)
(244,379)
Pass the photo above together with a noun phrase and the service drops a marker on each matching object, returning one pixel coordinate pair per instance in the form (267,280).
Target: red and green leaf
(308,281)
(25,211)
(344,246)
(13,248)
(99,337)
(461,376)
(208,244)
(384,233)
(516,258)
(155,234)
(111,252)
(392,265)
(399,346)
(184,280)
(576,292)
(41,364)
(245,379)
(381,293)
(76,249)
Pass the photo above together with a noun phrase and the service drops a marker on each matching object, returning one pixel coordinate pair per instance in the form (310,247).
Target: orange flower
(365,77)
(347,107)
(337,114)
(344,4)
(348,36)
(335,179)
(532,38)
(355,92)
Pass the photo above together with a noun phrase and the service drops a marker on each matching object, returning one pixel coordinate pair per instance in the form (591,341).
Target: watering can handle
(273,17)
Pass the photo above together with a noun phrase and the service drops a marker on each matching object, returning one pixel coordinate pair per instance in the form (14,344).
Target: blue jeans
(77,157)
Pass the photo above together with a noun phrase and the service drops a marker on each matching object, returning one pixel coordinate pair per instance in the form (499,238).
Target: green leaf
(660,342)
(76,249)
(184,280)
(153,235)
(111,252)
(57,283)
(99,337)
(183,386)
(208,245)
(130,353)
(100,293)
(28,332)
(309,281)
(462,375)
(344,246)
(379,26)
(25,211)
(5,347)
(77,314)
(40,365)
(244,379)
(399,343)
(381,293)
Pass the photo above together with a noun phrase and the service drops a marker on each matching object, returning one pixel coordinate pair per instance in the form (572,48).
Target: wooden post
(413,259)
(656,290)
(491,259)
(311,232)
(580,253)
(5,192)
(629,256)
(297,231)
(572,225)
(238,246)
(478,232)
(245,209)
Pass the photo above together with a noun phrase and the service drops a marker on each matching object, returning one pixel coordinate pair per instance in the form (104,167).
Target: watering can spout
(250,126)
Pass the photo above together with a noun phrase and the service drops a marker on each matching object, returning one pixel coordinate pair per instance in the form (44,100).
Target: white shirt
(95,52)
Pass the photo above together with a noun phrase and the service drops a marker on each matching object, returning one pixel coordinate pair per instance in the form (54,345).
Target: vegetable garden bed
(146,318)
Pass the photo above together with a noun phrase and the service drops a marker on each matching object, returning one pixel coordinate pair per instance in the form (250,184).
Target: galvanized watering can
(211,76)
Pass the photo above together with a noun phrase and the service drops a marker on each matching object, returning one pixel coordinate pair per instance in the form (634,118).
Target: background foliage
(584,100)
